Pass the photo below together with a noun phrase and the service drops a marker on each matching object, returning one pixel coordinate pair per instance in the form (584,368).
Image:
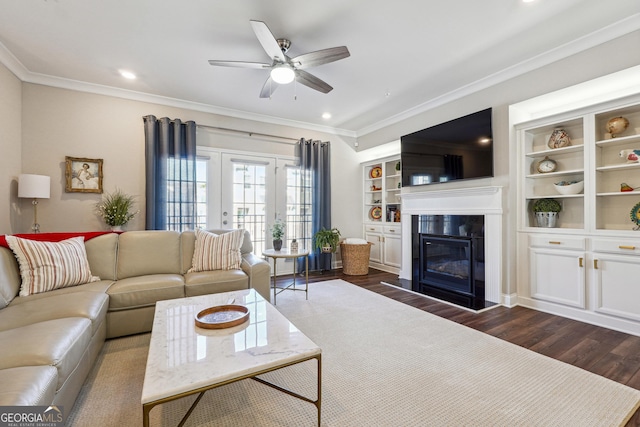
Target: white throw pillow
(217,252)
(45,266)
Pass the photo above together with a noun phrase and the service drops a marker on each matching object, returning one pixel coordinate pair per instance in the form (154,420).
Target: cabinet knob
(580,261)
(595,264)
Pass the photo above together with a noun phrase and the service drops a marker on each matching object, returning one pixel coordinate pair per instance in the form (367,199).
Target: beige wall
(60,122)
(10,161)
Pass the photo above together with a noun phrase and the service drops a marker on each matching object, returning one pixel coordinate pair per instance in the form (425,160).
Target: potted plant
(277,233)
(115,208)
(327,240)
(546,211)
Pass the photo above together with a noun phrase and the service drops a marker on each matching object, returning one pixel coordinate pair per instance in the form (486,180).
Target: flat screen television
(458,149)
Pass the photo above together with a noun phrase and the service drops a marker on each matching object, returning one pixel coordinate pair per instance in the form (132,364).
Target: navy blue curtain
(170,155)
(314,156)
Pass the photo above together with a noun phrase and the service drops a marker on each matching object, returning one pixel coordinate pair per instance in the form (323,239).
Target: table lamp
(34,187)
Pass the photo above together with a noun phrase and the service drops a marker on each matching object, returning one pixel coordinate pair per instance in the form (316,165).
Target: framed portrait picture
(83,175)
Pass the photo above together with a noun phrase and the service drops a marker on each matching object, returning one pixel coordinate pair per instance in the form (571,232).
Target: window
(201,192)
(181,209)
(298,216)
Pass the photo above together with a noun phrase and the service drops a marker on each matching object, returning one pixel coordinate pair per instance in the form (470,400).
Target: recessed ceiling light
(127,74)
(528,1)
(326,116)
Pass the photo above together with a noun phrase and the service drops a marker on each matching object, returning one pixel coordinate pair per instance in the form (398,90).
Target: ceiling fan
(283,68)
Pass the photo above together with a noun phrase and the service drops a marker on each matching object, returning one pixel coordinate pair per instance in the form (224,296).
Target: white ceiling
(405,54)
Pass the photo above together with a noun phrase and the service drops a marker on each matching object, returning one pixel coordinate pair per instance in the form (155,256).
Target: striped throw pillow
(217,252)
(45,266)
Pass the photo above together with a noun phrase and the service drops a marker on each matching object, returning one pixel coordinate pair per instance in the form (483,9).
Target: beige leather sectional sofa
(49,341)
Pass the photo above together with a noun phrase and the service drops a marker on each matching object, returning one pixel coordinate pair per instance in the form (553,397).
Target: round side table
(285,253)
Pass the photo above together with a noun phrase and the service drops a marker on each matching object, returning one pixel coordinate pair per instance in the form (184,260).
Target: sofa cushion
(90,305)
(217,252)
(10,277)
(144,291)
(60,343)
(209,282)
(45,266)
(101,253)
(28,386)
(148,252)
(100,286)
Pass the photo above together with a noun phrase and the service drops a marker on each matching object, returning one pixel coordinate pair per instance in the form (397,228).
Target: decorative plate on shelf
(635,215)
(375,212)
(376,172)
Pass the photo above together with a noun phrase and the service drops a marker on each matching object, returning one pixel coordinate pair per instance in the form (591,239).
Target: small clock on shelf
(547,165)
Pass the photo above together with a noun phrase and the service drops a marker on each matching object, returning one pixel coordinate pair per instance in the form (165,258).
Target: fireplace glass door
(447,263)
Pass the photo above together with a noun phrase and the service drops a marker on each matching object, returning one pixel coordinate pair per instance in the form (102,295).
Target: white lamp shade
(282,74)
(34,186)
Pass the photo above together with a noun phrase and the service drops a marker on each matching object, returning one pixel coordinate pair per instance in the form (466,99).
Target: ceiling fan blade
(268,42)
(312,81)
(239,64)
(320,57)
(269,87)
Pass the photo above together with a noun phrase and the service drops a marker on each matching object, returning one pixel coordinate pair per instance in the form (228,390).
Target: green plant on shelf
(546,205)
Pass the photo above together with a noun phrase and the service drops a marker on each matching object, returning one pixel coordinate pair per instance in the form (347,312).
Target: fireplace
(448,258)
(464,226)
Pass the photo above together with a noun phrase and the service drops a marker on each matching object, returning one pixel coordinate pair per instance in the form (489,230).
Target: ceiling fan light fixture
(282,74)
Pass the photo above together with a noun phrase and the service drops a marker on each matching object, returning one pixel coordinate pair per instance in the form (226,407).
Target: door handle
(595,264)
(580,262)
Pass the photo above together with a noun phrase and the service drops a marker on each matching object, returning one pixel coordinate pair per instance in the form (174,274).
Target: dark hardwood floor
(611,354)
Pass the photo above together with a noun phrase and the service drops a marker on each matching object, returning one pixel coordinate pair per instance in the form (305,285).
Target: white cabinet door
(617,285)
(376,247)
(558,276)
(392,247)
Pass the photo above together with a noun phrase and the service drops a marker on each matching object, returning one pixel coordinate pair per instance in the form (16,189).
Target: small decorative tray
(222,316)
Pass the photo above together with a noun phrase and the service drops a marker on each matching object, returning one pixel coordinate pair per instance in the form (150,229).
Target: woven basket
(355,258)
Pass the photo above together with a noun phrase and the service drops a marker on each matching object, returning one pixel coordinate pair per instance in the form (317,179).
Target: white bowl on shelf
(569,187)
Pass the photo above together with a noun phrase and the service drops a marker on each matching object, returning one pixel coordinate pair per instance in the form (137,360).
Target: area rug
(384,364)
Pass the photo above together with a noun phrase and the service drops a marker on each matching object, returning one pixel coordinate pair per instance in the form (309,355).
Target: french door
(245,190)
(249,195)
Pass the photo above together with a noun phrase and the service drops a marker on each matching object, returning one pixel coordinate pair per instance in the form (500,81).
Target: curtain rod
(252,134)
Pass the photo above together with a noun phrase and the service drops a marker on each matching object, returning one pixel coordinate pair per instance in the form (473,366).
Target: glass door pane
(248,196)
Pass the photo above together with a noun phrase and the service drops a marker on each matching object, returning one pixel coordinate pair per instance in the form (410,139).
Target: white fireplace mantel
(485,201)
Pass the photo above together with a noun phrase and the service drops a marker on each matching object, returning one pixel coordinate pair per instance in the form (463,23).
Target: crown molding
(603,35)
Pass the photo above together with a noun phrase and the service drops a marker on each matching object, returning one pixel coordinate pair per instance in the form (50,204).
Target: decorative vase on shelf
(277,244)
(617,125)
(559,138)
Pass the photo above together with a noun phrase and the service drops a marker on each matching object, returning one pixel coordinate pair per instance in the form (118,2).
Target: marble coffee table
(184,359)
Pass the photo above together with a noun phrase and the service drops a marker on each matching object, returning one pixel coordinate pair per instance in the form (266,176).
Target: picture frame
(83,175)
